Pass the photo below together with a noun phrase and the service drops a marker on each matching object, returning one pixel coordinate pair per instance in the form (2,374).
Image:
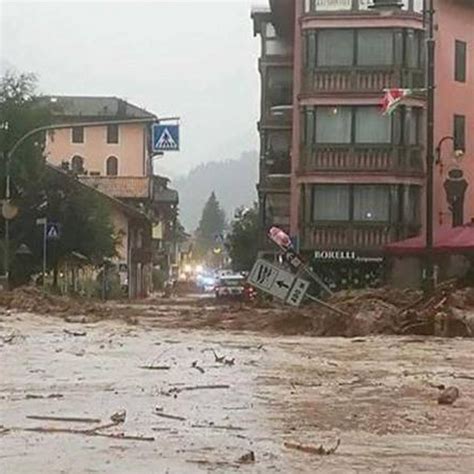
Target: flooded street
(199,400)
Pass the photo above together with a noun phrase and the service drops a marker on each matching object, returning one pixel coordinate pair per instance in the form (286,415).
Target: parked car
(230,286)
(206,282)
(234,286)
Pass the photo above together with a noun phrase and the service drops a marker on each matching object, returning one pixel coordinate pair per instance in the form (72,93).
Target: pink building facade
(356,178)
(454,107)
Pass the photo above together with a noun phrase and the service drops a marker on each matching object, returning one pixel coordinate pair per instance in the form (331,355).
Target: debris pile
(35,300)
(449,312)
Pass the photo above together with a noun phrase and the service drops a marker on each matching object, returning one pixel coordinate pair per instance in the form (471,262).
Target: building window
(353,203)
(77,164)
(414,45)
(362,47)
(333,124)
(459,132)
(374,47)
(308,130)
(280,86)
(460,56)
(331,202)
(112,166)
(412,126)
(77,134)
(372,126)
(278,143)
(411,205)
(270,31)
(335,48)
(112,133)
(371,203)
(344,125)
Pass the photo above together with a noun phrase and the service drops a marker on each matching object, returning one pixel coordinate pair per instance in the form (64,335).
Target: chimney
(386,5)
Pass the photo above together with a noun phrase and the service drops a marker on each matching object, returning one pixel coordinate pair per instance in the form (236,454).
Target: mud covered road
(198,400)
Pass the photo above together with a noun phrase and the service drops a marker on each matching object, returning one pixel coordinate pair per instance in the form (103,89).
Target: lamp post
(455,184)
(7,208)
(430,86)
(458,153)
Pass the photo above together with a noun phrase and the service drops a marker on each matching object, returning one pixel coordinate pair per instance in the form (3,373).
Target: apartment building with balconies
(276,116)
(358,177)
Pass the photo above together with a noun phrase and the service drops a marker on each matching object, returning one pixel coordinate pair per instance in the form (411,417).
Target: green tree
(242,240)
(40,191)
(211,226)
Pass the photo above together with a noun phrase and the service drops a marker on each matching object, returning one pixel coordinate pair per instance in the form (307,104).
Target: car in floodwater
(230,286)
(233,286)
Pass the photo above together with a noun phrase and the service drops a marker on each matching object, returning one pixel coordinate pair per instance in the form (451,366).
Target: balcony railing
(353,236)
(360,79)
(363,158)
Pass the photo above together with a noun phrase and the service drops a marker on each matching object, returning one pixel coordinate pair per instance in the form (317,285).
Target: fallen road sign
(271,279)
(298,292)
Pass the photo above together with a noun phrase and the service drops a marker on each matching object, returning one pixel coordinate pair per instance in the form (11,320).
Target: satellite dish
(9,211)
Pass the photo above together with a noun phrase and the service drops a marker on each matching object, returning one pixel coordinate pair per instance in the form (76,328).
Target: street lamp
(455,184)
(458,153)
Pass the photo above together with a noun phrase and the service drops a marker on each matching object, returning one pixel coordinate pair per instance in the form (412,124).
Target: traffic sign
(298,292)
(53,231)
(271,279)
(165,137)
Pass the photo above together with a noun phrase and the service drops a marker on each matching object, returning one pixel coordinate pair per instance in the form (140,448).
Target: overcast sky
(196,59)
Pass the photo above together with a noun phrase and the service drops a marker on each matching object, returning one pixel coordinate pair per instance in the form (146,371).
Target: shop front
(344,269)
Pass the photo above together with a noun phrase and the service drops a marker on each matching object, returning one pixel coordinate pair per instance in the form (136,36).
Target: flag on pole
(392,99)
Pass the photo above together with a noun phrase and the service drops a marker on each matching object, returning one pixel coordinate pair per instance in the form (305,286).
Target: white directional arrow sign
(271,279)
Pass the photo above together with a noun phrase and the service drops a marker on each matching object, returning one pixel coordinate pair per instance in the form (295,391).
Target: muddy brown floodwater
(214,396)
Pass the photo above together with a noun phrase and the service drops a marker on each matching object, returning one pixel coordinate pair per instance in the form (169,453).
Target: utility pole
(430,86)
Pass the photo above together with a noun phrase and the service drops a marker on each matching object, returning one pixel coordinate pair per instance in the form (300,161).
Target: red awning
(446,240)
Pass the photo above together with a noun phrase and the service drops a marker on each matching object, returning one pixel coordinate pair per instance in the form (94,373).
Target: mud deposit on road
(376,394)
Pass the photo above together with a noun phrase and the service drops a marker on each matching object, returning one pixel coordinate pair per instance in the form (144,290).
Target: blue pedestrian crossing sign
(53,231)
(165,137)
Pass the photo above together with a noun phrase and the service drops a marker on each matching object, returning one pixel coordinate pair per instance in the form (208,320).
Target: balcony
(281,95)
(360,80)
(373,158)
(354,236)
(278,116)
(317,7)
